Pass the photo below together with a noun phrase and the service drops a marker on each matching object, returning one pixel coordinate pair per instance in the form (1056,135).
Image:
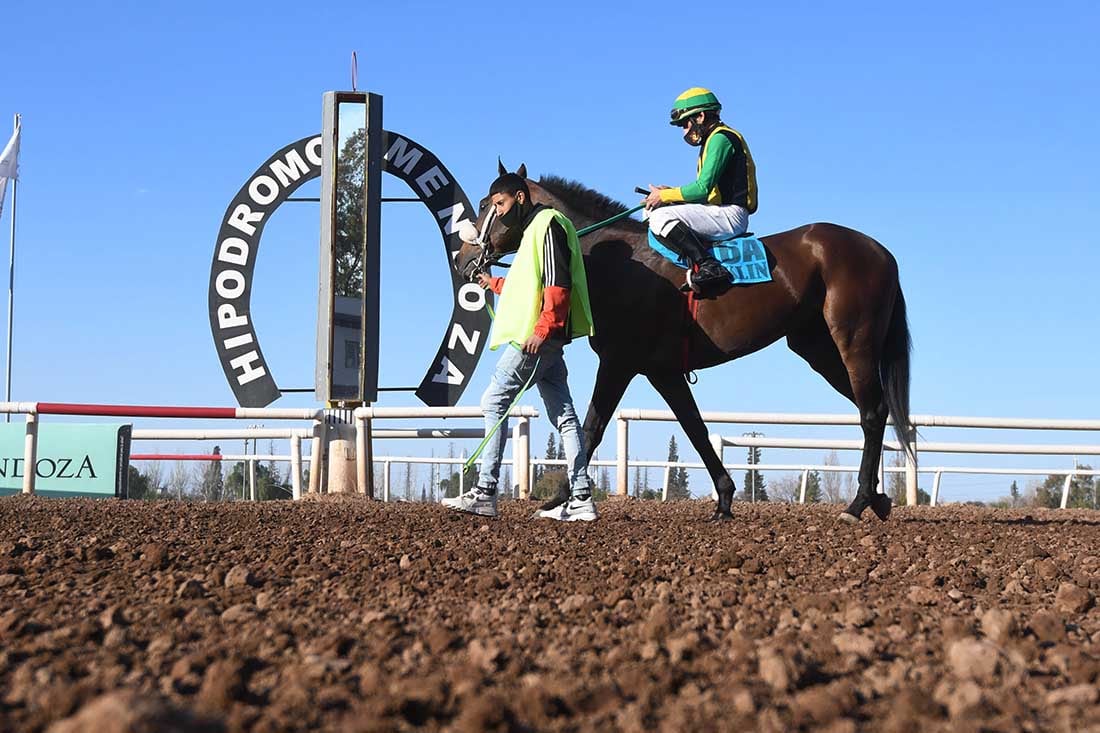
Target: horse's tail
(894,370)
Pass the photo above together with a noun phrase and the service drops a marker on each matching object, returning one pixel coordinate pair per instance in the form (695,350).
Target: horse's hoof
(848,518)
(719,516)
(881,505)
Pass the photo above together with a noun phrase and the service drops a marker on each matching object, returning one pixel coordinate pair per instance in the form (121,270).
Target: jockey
(717,204)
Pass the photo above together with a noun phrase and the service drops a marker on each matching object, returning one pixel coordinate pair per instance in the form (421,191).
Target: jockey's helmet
(693,101)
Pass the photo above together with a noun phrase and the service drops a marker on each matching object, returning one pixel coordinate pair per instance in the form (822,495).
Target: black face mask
(513,216)
(690,132)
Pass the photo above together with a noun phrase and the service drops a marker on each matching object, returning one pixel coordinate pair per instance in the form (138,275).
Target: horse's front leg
(675,390)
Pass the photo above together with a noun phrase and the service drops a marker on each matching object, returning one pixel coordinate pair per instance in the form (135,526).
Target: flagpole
(11,283)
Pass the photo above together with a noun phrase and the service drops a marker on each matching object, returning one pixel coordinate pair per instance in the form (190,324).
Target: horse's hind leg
(847,362)
(676,392)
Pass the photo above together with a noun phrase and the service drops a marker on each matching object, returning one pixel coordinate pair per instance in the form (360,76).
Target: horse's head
(491,238)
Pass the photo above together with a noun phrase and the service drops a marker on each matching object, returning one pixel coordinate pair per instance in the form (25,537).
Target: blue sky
(960,135)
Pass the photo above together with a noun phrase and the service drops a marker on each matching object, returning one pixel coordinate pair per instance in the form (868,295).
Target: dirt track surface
(354,615)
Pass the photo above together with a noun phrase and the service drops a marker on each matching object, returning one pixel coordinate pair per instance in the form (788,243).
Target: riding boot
(710,278)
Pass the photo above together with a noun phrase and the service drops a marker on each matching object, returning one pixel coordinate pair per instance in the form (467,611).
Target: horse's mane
(584,200)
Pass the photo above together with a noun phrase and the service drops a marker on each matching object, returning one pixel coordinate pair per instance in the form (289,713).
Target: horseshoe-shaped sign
(230,291)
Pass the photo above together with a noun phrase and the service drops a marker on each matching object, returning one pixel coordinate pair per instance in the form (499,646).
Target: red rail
(72,408)
(176,457)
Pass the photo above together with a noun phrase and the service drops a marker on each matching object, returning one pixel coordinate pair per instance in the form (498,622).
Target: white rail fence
(363,419)
(911,468)
(365,431)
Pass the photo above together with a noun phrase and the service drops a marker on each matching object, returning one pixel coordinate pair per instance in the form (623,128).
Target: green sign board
(73,459)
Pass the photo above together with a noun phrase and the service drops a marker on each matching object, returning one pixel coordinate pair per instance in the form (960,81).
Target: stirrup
(709,286)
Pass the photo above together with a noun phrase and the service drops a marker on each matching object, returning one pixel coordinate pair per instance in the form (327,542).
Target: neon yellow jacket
(521,300)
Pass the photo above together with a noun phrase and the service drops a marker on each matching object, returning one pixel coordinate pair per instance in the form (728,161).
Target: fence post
(296,467)
(386,480)
(30,453)
(521,457)
(936,489)
(252,474)
(668,479)
(361,458)
(911,470)
(719,447)
(462,474)
(622,451)
(315,461)
(1065,491)
(882,472)
(802,491)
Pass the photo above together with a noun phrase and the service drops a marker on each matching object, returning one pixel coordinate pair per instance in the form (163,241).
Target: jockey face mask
(693,136)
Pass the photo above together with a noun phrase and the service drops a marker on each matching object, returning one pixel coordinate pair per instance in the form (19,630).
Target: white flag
(9,163)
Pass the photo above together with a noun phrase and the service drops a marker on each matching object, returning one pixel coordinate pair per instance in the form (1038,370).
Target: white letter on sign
(448,374)
(243,219)
(234,251)
(478,301)
(249,373)
(227,291)
(400,156)
(291,169)
(268,183)
(313,151)
(451,214)
(228,318)
(458,333)
(432,180)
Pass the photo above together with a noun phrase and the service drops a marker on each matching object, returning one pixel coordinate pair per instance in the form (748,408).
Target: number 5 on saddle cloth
(744,258)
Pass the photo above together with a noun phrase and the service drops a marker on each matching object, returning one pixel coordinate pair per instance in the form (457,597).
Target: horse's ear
(500,167)
(522,170)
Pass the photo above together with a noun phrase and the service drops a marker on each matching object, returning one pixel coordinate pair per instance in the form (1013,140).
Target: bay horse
(834,295)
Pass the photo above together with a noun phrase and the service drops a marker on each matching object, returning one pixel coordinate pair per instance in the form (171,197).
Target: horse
(834,295)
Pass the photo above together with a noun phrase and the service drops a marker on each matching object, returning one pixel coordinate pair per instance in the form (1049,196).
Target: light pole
(752,461)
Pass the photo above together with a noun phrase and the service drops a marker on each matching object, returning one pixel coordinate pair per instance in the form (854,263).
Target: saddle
(744,257)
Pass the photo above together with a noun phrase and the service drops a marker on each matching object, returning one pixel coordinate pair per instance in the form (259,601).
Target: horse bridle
(486,258)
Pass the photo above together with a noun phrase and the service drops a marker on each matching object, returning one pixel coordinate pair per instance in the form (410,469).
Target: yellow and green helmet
(694,100)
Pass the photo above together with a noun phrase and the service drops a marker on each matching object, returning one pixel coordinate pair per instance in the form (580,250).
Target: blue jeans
(550,375)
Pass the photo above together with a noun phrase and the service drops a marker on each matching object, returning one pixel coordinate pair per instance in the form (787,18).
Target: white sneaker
(474,501)
(574,510)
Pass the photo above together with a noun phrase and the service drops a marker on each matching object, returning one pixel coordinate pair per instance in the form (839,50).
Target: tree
(506,481)
(1014,494)
(551,452)
(603,483)
(138,485)
(349,234)
(787,487)
(409,483)
(451,485)
(678,479)
(813,487)
(154,474)
(551,484)
(831,483)
(1082,491)
(179,483)
(755,488)
(268,485)
(212,486)
(895,482)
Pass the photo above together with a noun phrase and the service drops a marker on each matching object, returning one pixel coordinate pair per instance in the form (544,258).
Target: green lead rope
(485,441)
